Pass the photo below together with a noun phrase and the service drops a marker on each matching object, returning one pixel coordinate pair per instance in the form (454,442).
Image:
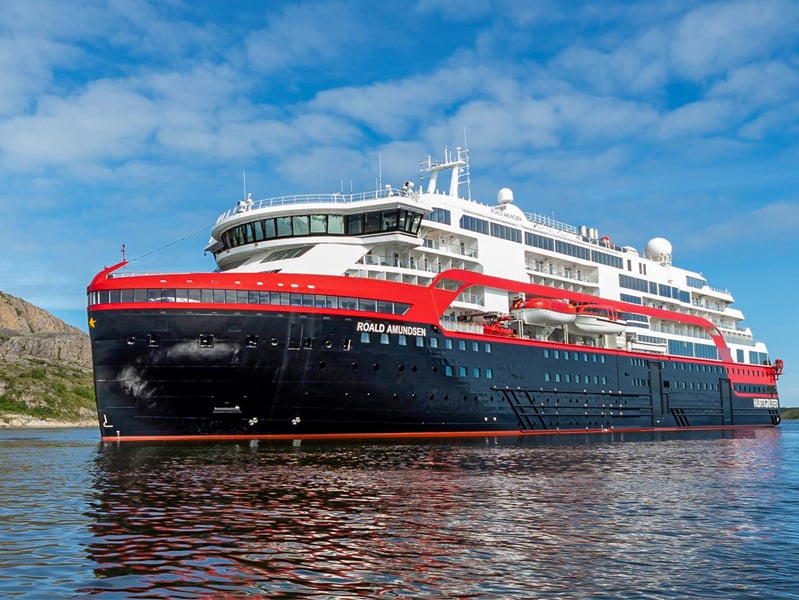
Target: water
(712,515)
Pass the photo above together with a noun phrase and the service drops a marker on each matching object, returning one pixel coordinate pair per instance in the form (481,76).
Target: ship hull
(184,374)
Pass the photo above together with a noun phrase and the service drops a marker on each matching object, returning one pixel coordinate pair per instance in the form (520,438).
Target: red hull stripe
(416,435)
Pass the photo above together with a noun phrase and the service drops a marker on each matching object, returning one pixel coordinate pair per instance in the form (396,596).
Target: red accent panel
(410,435)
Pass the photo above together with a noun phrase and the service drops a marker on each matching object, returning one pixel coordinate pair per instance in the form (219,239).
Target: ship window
(547,377)
(152,295)
(461,345)
(419,341)
(300,225)
(283,226)
(476,372)
(557,377)
(219,296)
(270,230)
(402,340)
(318,223)
(354,224)
(489,373)
(295,299)
(230,296)
(433,342)
(242,296)
(331,302)
(252,298)
(604,380)
(565,355)
(367,304)
(308,300)
(153,340)
(320,300)
(389,220)
(113,296)
(126,295)
(206,340)
(252,341)
(475,347)
(448,344)
(567,378)
(546,352)
(400,308)
(596,379)
(384,307)
(555,354)
(365,337)
(462,371)
(384,338)
(371,222)
(487,348)
(448,370)
(335,224)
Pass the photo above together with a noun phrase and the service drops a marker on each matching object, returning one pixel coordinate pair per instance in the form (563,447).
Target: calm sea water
(615,516)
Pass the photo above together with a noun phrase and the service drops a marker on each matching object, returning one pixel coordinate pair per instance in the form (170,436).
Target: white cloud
(106,122)
(697,119)
(304,35)
(719,36)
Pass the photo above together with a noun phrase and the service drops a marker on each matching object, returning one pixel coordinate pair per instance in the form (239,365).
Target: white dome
(658,249)
(505,196)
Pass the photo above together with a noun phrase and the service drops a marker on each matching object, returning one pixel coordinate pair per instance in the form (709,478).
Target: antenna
(380,169)
(244,178)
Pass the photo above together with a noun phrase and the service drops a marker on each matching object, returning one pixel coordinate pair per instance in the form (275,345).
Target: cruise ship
(414,311)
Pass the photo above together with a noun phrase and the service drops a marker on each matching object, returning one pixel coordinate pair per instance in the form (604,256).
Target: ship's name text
(372,327)
(766,403)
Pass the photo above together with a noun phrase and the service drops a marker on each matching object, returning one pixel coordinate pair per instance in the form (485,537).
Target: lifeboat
(598,319)
(546,311)
(498,327)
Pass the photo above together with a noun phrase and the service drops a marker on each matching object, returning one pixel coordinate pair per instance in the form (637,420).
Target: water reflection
(618,516)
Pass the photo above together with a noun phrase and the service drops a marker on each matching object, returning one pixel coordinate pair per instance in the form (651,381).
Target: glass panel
(389,221)
(269,228)
(354,225)
(335,224)
(372,222)
(301,225)
(207,295)
(283,226)
(318,223)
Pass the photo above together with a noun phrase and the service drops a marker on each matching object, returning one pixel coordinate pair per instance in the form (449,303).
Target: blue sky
(132,122)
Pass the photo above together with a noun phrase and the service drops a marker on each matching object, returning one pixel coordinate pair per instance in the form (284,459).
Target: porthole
(435,369)
(354,366)
(322,364)
(400,368)
(274,341)
(131,340)
(413,368)
(375,367)
(328,344)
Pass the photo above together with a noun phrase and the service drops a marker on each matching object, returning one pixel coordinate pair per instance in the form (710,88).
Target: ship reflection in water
(600,516)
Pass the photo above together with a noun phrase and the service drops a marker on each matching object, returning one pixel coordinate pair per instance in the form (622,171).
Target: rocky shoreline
(12,421)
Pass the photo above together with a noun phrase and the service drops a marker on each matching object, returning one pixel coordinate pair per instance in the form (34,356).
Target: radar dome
(658,249)
(505,196)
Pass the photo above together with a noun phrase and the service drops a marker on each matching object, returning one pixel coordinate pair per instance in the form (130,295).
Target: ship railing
(451,248)
(550,222)
(562,273)
(333,198)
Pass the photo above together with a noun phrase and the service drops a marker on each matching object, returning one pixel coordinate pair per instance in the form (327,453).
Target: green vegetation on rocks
(45,368)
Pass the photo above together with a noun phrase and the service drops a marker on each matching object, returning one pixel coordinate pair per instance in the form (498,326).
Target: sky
(138,123)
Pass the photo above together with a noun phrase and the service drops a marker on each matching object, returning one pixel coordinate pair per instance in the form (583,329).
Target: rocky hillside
(45,368)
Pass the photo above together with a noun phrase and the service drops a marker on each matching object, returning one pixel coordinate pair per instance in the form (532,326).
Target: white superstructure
(410,234)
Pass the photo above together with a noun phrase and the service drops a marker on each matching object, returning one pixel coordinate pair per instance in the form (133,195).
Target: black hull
(186,373)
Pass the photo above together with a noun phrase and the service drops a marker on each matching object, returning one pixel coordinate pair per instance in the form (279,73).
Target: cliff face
(45,367)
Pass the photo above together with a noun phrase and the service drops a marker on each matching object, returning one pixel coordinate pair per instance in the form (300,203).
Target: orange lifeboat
(546,311)
(598,319)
